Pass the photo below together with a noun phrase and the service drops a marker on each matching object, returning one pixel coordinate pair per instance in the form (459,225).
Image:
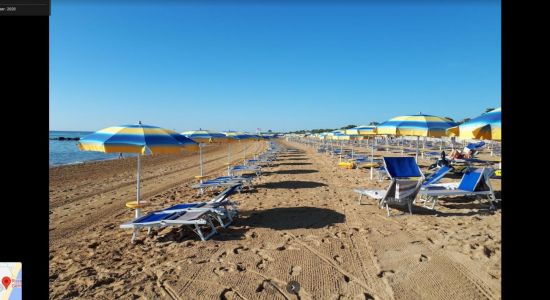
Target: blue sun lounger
(194,215)
(406,179)
(474,182)
(433,179)
(242,168)
(224,181)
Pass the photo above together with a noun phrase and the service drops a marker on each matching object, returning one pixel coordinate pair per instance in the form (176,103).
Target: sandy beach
(301,223)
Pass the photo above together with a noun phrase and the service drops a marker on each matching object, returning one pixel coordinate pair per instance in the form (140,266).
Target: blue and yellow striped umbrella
(205,137)
(136,139)
(362,130)
(484,127)
(416,125)
(140,139)
(240,137)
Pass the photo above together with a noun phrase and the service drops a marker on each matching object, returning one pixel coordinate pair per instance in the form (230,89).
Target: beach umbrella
(205,137)
(361,130)
(484,127)
(416,125)
(365,131)
(140,139)
(236,136)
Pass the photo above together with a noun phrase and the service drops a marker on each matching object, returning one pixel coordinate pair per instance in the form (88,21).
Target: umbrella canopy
(416,125)
(207,136)
(362,130)
(136,139)
(140,139)
(484,127)
(238,135)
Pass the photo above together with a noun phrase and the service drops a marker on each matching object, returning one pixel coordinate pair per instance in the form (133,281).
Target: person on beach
(441,161)
(466,153)
(120,155)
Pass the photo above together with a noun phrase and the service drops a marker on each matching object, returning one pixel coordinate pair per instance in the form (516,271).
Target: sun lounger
(242,168)
(433,179)
(193,219)
(222,210)
(406,179)
(194,215)
(474,182)
(224,181)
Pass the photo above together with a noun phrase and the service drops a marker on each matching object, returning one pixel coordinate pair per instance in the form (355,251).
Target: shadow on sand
(279,218)
(291,172)
(291,185)
(291,164)
(282,218)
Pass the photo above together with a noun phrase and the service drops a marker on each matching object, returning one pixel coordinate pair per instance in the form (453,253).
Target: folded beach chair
(406,179)
(194,215)
(474,182)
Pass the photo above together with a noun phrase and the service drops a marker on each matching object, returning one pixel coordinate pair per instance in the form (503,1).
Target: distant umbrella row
(484,127)
(145,139)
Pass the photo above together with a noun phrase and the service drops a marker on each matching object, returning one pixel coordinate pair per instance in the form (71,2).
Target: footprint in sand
(229,294)
(252,235)
(220,271)
(385,273)
(262,264)
(340,234)
(338,258)
(240,267)
(423,258)
(240,249)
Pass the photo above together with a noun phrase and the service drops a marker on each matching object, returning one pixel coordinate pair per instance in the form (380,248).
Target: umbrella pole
(423,147)
(371,160)
(200,160)
(228,157)
(138,211)
(341,149)
(417,142)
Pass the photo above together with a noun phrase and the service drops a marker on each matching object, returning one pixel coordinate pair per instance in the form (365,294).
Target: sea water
(67,152)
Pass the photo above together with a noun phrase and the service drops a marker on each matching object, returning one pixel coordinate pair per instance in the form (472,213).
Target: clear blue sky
(276,66)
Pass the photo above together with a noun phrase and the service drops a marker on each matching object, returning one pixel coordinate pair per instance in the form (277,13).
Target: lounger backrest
(475,146)
(471,179)
(435,177)
(185,206)
(401,167)
(226,193)
(402,191)
(158,216)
